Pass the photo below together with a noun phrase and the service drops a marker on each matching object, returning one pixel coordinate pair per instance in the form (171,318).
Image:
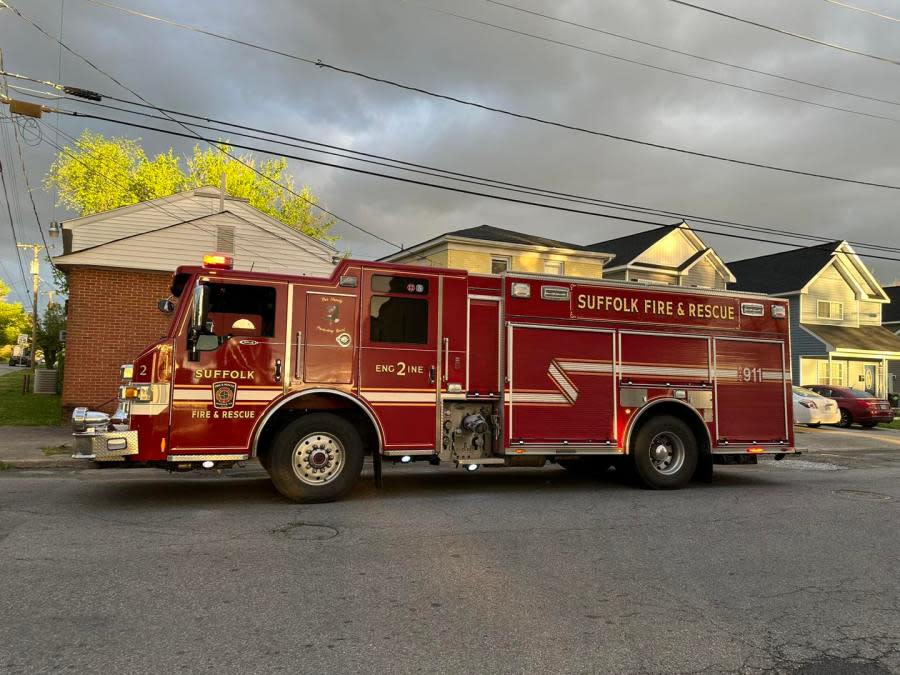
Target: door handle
(431,374)
(299,355)
(278,370)
(446,372)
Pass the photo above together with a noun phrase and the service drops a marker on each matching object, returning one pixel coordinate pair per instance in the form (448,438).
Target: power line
(863,9)
(186,216)
(13,227)
(789,33)
(644,64)
(37,219)
(671,50)
(237,159)
(458,176)
(451,188)
(454,175)
(510,113)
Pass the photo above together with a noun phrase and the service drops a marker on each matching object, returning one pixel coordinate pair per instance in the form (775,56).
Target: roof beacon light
(218,261)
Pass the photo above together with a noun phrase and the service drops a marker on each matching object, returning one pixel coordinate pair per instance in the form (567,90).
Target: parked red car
(856,406)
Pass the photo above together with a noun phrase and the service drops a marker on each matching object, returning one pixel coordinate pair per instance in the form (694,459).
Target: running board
(480,461)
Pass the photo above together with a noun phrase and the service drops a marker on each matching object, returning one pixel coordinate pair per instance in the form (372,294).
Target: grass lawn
(892,425)
(29,410)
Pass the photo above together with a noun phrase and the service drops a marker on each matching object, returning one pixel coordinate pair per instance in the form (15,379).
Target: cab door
(399,369)
(218,398)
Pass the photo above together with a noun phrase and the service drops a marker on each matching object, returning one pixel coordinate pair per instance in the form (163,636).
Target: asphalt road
(784,567)
(6,368)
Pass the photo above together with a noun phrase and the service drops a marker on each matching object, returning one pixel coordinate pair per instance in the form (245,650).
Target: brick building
(119,264)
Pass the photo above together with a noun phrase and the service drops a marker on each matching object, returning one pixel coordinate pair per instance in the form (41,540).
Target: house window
(500,265)
(554,267)
(826,309)
(836,377)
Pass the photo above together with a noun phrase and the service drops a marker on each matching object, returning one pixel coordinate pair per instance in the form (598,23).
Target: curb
(64,464)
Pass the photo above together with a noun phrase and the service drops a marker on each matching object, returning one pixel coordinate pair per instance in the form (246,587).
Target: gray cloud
(403,41)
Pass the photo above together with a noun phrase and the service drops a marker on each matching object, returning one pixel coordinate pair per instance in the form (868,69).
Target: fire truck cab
(409,363)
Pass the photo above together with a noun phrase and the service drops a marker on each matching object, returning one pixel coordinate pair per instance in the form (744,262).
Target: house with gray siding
(837,336)
(890,319)
(672,255)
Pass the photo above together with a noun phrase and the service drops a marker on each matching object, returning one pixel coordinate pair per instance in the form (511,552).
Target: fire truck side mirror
(199,310)
(166,306)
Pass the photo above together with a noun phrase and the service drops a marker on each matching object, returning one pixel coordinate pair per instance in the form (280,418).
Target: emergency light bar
(218,261)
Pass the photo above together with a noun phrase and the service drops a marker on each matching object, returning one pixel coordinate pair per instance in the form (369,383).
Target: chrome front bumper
(94,439)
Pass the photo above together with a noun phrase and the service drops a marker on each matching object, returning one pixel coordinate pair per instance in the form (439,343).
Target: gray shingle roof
(501,235)
(629,247)
(781,272)
(891,313)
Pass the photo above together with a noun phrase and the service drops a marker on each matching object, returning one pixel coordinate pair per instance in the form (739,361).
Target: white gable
(167,233)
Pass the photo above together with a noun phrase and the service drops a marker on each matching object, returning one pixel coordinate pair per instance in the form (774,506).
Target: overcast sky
(406,42)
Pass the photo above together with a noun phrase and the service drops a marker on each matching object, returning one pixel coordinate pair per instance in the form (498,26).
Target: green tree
(13,319)
(49,328)
(100,173)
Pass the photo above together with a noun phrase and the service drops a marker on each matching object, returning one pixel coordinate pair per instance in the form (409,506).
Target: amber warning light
(218,261)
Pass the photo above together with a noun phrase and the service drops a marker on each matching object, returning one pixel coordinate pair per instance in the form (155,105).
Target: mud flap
(376,469)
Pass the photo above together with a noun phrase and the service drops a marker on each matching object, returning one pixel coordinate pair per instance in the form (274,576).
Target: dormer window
(827,309)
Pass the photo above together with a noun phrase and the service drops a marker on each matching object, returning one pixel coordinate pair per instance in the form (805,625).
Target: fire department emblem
(224,394)
(343,339)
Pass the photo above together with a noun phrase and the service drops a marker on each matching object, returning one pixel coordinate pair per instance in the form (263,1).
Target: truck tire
(316,458)
(664,453)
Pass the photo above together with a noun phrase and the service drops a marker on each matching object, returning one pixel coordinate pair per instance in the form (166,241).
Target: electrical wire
(644,64)
(707,59)
(864,10)
(789,33)
(486,182)
(510,113)
(446,187)
(185,217)
(461,177)
(37,218)
(90,63)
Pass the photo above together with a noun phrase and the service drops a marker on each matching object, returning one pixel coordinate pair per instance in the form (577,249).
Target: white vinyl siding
(869,313)
(830,287)
(143,238)
(705,275)
(671,251)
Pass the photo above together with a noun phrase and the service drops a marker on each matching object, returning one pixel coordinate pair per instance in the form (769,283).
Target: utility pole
(35,284)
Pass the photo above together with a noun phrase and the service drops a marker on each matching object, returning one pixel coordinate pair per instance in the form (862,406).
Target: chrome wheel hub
(666,453)
(318,458)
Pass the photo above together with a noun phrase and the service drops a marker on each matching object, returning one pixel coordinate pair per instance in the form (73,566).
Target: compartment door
(752,391)
(560,386)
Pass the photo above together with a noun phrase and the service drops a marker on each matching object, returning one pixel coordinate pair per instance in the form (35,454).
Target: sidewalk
(23,448)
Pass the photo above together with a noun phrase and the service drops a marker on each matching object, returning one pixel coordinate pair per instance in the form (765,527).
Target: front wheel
(316,458)
(664,453)
(846,418)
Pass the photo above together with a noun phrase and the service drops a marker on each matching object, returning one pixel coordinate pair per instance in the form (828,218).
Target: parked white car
(813,409)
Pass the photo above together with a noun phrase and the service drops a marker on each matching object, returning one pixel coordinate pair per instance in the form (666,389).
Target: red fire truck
(409,363)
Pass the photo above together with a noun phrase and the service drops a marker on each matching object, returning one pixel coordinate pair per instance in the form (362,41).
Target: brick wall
(112,317)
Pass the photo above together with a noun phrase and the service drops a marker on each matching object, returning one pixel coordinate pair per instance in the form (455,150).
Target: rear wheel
(316,458)
(664,452)
(846,418)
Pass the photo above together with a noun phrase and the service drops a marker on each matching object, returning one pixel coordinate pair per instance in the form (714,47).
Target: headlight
(126,372)
(136,392)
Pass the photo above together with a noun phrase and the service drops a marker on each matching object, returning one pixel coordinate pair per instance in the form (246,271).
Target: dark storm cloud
(406,42)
